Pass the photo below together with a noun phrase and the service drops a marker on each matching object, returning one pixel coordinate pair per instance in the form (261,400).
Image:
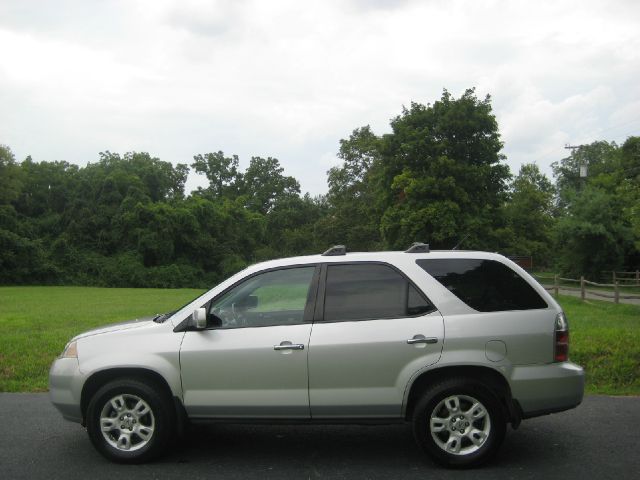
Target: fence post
(637,277)
(582,287)
(616,293)
(614,277)
(556,289)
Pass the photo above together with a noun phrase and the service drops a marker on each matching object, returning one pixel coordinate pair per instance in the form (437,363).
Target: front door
(252,361)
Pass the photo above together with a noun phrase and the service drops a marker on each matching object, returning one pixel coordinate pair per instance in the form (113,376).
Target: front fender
(155,348)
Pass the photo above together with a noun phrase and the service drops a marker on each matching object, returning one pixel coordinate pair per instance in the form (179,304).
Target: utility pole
(583,164)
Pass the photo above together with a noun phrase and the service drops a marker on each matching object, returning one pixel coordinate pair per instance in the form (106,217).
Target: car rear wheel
(130,421)
(460,423)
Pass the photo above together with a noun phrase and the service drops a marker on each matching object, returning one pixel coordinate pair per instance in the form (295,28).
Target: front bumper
(541,389)
(65,388)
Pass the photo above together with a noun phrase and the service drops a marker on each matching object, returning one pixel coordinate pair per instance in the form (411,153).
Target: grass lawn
(36,322)
(605,340)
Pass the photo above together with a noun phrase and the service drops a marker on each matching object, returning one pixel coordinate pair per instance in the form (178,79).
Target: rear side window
(484,285)
(370,291)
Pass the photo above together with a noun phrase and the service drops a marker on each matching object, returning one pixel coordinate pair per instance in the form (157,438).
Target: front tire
(460,423)
(130,421)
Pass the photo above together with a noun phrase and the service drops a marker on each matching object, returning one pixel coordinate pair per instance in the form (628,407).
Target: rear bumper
(65,388)
(542,389)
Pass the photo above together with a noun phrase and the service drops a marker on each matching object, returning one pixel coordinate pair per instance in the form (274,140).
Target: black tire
(459,427)
(157,424)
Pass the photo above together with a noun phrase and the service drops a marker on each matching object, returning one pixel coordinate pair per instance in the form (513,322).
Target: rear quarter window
(484,285)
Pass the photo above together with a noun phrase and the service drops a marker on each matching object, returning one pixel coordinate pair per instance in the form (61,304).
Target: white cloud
(289,79)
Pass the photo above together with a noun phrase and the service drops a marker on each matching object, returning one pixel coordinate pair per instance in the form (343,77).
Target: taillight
(561,340)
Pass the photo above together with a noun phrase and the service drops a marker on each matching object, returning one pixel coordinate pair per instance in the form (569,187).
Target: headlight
(70,351)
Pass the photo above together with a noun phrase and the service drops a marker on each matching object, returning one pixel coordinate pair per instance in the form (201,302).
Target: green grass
(605,340)
(36,322)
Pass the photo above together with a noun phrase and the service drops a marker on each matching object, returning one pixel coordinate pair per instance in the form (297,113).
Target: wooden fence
(604,290)
(625,278)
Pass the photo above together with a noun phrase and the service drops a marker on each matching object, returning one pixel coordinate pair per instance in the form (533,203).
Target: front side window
(370,291)
(277,297)
(484,285)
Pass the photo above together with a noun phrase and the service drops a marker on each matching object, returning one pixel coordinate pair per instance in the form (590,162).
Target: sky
(289,79)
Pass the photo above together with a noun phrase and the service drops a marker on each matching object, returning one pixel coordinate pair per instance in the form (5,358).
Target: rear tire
(130,421)
(459,423)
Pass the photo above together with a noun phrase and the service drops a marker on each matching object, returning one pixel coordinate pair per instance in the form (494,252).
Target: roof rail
(335,250)
(418,247)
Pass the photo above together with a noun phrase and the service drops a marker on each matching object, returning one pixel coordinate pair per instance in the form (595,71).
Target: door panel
(238,373)
(254,364)
(361,369)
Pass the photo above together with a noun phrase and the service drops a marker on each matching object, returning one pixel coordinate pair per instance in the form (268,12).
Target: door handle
(421,339)
(289,346)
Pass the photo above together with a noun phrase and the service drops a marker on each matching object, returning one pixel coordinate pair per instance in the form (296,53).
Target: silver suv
(457,343)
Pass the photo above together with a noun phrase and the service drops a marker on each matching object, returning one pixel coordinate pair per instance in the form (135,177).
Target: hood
(115,327)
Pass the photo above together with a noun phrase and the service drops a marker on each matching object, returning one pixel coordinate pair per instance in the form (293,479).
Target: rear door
(372,332)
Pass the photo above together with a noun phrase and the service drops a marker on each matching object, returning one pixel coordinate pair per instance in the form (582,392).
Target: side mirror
(199,318)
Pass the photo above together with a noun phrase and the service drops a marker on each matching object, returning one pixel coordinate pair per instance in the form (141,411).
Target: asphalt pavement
(598,440)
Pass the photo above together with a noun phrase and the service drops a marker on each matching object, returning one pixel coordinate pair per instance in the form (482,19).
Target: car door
(252,360)
(372,333)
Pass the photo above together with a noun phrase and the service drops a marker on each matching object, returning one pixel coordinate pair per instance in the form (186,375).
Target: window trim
(309,308)
(322,294)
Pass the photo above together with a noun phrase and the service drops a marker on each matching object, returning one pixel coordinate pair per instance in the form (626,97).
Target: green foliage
(437,177)
(528,215)
(441,174)
(589,236)
(10,178)
(353,213)
(597,229)
(222,172)
(264,185)
(123,221)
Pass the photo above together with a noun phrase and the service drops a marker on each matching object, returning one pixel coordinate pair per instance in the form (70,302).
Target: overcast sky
(288,79)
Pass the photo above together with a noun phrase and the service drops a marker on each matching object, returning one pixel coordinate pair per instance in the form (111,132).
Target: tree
(529,215)
(263,184)
(290,227)
(595,231)
(441,177)
(591,237)
(10,182)
(629,191)
(599,158)
(353,217)
(222,172)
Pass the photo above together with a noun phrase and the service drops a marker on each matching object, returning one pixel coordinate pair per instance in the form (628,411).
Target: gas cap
(495,350)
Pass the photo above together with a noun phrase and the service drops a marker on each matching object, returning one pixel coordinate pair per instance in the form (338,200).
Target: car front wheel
(459,423)
(130,421)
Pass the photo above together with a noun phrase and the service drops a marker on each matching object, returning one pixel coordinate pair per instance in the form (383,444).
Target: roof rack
(335,250)
(418,247)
